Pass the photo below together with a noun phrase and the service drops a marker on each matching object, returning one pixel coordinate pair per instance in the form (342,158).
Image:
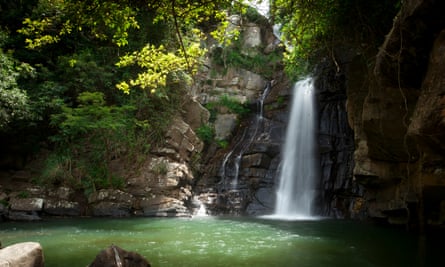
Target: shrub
(206,133)
(234,105)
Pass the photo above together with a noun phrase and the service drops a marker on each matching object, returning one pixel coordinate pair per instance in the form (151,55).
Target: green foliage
(311,28)
(231,56)
(157,64)
(89,136)
(57,169)
(252,15)
(212,107)
(102,20)
(280,100)
(234,105)
(85,70)
(91,116)
(23,194)
(223,144)
(73,47)
(206,133)
(161,168)
(14,102)
(4,202)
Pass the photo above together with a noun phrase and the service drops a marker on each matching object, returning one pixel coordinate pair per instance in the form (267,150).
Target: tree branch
(178,33)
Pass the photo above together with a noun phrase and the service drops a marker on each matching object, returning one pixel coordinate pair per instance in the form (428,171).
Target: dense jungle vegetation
(91,81)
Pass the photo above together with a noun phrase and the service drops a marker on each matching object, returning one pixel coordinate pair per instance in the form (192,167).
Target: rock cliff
(239,178)
(396,112)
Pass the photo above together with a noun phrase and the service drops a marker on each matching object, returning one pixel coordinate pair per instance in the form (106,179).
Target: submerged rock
(114,256)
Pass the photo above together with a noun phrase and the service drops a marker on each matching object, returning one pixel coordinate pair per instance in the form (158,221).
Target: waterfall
(202,211)
(298,170)
(246,140)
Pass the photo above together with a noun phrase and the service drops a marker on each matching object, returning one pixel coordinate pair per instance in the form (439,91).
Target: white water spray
(202,211)
(296,191)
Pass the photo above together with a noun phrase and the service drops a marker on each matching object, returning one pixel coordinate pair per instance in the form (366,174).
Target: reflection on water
(210,241)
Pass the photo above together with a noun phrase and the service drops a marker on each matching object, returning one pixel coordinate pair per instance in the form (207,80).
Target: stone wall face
(398,125)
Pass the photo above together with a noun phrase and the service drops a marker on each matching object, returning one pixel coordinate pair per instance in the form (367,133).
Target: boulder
(181,142)
(114,256)
(61,193)
(195,114)
(26,204)
(168,174)
(61,207)
(225,125)
(27,254)
(23,216)
(25,209)
(242,85)
(110,202)
(251,38)
(162,206)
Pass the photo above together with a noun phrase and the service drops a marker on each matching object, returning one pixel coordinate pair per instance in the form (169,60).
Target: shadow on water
(376,245)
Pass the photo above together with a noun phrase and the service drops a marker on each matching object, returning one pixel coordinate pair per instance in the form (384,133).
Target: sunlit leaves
(98,19)
(226,33)
(37,28)
(190,12)
(157,63)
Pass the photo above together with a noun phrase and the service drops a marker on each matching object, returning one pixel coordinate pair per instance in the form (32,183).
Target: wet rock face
(241,180)
(335,189)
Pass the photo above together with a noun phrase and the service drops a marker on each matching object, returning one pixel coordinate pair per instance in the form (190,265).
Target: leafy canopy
(112,21)
(313,27)
(157,64)
(97,19)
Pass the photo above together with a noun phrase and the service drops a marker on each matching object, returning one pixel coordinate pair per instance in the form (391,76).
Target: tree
(14,102)
(311,28)
(82,49)
(112,21)
(98,133)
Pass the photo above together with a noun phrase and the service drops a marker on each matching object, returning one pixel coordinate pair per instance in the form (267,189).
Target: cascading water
(298,170)
(246,140)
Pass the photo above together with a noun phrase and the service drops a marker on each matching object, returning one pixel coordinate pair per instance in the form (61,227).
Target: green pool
(212,242)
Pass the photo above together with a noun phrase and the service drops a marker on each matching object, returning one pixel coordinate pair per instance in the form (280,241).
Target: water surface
(216,242)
